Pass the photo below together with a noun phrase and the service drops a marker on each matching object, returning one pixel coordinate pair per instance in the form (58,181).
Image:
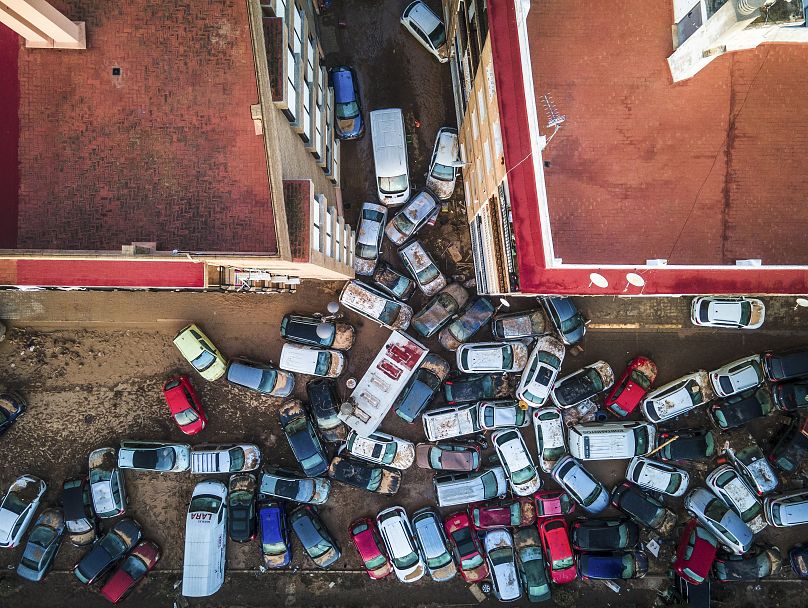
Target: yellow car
(200,352)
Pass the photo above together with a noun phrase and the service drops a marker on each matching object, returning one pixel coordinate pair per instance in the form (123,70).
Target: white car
(312,360)
(735,313)
(154,456)
(485,357)
(789,509)
(442,172)
(226,458)
(369,237)
(737,376)
(107,488)
(502,565)
(725,483)
(550,436)
(418,211)
(541,371)
(396,532)
(725,524)
(677,397)
(382,448)
(657,476)
(18,508)
(580,485)
(427,28)
(613,440)
(523,476)
(493,415)
(423,268)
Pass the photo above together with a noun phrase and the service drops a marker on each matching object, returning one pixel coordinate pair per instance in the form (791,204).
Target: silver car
(106,483)
(154,456)
(551,441)
(737,376)
(431,538)
(725,483)
(440,310)
(501,559)
(754,469)
(657,476)
(427,28)
(725,524)
(411,218)
(422,268)
(443,167)
(369,237)
(580,485)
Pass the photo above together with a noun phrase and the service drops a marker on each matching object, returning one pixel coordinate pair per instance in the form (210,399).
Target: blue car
(348,122)
(569,323)
(275,545)
(615,565)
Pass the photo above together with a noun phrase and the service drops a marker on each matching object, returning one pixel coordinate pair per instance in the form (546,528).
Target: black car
(583,384)
(643,508)
(302,439)
(737,410)
(421,388)
(303,330)
(325,403)
(241,507)
(314,536)
(108,550)
(792,448)
(479,387)
(569,323)
(798,556)
(751,567)
(12,406)
(604,534)
(788,365)
(77,506)
(689,445)
(790,396)
(393,282)
(365,476)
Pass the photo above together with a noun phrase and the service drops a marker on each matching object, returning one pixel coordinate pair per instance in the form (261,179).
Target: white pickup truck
(452,421)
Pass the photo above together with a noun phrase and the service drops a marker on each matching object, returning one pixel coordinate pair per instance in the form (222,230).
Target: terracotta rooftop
(163,150)
(707,171)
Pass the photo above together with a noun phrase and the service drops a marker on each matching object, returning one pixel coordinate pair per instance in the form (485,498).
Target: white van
(205,540)
(390,156)
(464,488)
(311,360)
(611,440)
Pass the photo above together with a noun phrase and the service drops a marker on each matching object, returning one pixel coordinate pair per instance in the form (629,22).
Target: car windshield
(366,252)
(14,504)
(406,561)
(639,378)
(746,313)
(273,548)
(375,562)
(323,363)
(268,378)
(186,417)
(715,510)
(349,109)
(205,504)
(467,325)
(553,453)
(523,475)
(98,475)
(403,223)
(311,462)
(428,274)
(438,36)
(641,440)
(390,313)
(134,567)
(549,359)
(443,173)
(470,558)
(203,361)
(161,459)
(568,325)
(236,458)
(393,185)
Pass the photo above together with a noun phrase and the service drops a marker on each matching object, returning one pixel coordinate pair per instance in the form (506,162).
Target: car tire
(487,588)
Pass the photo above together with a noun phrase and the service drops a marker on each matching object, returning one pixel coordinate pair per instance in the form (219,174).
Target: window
(481,104)
(315,225)
(346,239)
(308,89)
(489,77)
(487,155)
(338,242)
(497,134)
(475,129)
(329,232)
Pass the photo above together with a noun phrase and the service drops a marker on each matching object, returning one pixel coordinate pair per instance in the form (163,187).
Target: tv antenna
(554,119)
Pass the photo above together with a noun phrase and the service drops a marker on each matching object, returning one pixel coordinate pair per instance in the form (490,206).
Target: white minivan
(390,156)
(205,540)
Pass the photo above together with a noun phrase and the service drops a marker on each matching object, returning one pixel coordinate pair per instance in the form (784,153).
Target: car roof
(242,372)
(342,79)
(424,17)
(447,147)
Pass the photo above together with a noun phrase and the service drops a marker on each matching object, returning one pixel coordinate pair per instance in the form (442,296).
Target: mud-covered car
(200,352)
(260,377)
(428,529)
(754,468)
(325,403)
(43,544)
(677,397)
(523,476)
(569,323)
(381,448)
(579,483)
(695,553)
(157,456)
(304,442)
(541,371)
(786,365)
(241,507)
(106,483)
(734,313)
(369,237)
(686,445)
(502,414)
(604,534)
(551,444)
(791,449)
(531,565)
(739,409)
(507,512)
(303,330)
(517,325)
(184,404)
(451,421)
(555,540)
(323,362)
(725,483)
(442,173)
(422,267)
(365,476)
(12,406)
(225,458)
(369,545)
(477,387)
(107,551)
(412,217)
(77,506)
(764,562)
(448,456)
(657,476)
(402,547)
(317,541)
(392,282)
(737,376)
(551,503)
(286,484)
(631,387)
(643,508)
(798,557)
(476,313)
(725,524)
(583,384)
(466,547)
(276,550)
(486,357)
(427,28)
(375,305)
(619,565)
(440,310)
(421,388)
(502,565)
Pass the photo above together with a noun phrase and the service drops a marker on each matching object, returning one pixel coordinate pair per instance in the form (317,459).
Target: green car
(531,565)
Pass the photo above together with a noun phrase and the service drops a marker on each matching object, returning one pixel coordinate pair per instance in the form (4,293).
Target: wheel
(486,588)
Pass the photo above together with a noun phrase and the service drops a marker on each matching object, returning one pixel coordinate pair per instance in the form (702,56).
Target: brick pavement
(164,152)
(705,171)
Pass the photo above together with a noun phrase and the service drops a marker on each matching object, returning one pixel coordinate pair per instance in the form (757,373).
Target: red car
(131,571)
(695,553)
(468,552)
(507,513)
(366,539)
(551,503)
(632,386)
(184,404)
(555,540)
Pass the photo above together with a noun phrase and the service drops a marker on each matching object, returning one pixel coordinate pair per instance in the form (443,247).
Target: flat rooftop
(145,136)
(706,171)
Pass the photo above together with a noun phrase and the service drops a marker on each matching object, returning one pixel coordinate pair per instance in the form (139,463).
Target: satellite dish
(599,280)
(634,279)
(504,302)
(802,302)
(324,330)
(333,307)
